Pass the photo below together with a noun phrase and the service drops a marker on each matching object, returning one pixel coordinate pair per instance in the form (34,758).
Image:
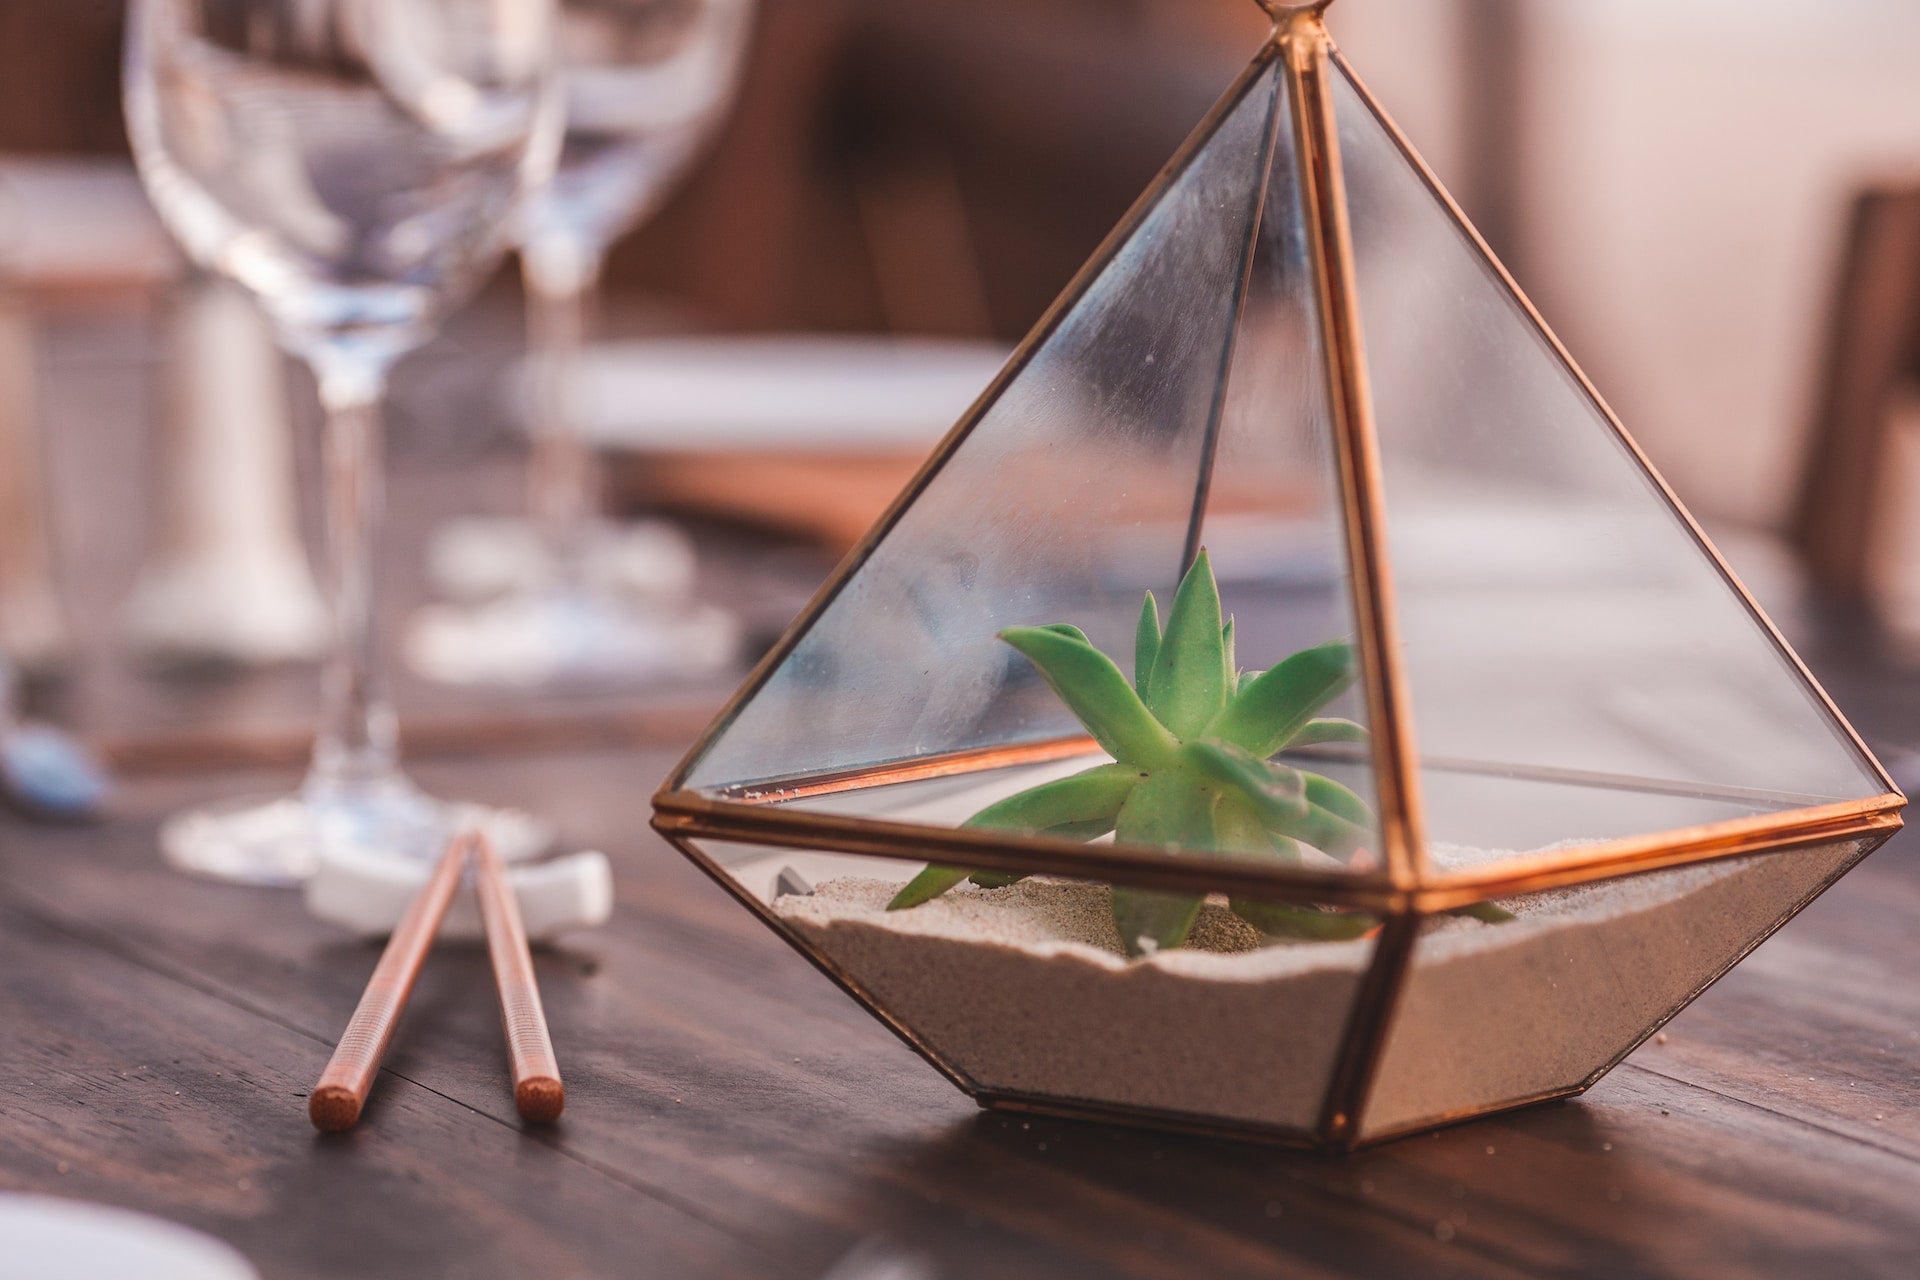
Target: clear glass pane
(1495,1014)
(1580,669)
(1025,991)
(1186,380)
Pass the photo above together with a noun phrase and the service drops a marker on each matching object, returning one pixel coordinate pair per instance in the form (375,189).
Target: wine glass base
(479,558)
(278,840)
(571,638)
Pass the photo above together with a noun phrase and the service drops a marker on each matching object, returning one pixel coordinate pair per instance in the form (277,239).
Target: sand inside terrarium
(1026,990)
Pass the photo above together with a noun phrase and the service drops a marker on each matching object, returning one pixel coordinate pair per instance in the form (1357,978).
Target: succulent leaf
(1068,630)
(1188,686)
(1327,729)
(1146,644)
(1277,793)
(1230,673)
(1150,921)
(1281,920)
(1091,798)
(1239,829)
(996,879)
(925,887)
(1328,832)
(1485,912)
(1169,810)
(1266,714)
(1096,692)
(1336,799)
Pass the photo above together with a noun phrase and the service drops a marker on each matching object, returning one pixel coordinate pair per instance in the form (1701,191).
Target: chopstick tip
(539,1099)
(333,1109)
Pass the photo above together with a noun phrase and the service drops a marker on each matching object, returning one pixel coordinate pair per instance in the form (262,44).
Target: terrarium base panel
(1541,1006)
(1025,992)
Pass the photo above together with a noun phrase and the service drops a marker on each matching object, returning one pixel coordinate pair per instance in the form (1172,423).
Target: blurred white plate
(807,393)
(43,1238)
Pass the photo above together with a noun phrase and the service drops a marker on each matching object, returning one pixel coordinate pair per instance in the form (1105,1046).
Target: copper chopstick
(538,1094)
(342,1091)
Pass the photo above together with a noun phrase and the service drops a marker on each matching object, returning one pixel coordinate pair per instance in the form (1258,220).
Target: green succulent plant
(1192,738)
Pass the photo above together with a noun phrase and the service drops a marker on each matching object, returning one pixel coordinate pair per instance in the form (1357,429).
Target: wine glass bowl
(359,176)
(359,166)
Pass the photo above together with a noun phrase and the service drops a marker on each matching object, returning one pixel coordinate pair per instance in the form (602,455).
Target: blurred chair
(1858,513)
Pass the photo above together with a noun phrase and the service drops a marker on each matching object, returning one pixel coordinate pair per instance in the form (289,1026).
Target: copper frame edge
(694,814)
(1181,1122)
(1036,338)
(823,963)
(691,814)
(1364,1043)
(1592,392)
(1306,52)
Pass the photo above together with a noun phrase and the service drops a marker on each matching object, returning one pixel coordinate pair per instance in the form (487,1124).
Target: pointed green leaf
(1238,827)
(1280,920)
(1068,630)
(1091,797)
(1326,729)
(1328,832)
(1486,912)
(996,879)
(1336,799)
(1096,693)
(1188,685)
(1276,792)
(1171,811)
(1146,643)
(1230,673)
(1268,712)
(1149,921)
(925,887)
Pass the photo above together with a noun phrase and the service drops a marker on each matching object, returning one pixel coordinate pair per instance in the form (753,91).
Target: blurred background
(1712,202)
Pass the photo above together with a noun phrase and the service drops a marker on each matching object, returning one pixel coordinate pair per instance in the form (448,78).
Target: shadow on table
(1538,1185)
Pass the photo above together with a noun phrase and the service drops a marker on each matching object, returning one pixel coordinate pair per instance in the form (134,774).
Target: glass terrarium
(1287,703)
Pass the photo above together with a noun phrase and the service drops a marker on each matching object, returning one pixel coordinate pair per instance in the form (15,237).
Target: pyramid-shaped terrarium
(1288,703)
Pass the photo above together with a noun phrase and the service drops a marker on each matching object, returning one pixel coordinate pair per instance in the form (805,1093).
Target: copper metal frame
(1407,889)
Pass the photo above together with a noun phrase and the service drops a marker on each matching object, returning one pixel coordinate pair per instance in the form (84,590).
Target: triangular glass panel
(1581,667)
(1176,400)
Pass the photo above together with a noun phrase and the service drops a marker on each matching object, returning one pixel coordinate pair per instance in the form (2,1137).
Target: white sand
(1026,990)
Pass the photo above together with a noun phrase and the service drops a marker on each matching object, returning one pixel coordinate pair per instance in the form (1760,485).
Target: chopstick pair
(538,1095)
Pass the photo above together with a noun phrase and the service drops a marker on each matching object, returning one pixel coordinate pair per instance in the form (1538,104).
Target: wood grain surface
(732,1114)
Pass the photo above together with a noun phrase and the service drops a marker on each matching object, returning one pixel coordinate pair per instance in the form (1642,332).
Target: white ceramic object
(44,1238)
(229,580)
(368,894)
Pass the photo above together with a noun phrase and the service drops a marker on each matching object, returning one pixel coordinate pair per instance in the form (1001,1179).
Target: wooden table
(731,1114)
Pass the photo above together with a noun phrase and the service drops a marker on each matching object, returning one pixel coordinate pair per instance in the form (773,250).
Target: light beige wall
(1685,185)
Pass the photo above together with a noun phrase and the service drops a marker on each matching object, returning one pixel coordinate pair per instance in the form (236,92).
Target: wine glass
(647,82)
(358,166)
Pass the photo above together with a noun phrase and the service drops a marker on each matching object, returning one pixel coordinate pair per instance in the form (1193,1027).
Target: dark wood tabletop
(730,1113)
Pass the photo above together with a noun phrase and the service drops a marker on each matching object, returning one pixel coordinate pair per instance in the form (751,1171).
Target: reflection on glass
(357,166)
(1580,668)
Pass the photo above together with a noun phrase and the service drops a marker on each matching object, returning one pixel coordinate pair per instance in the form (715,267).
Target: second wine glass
(646,84)
(358,166)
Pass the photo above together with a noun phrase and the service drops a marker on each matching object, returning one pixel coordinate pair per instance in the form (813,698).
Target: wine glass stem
(357,746)
(561,279)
